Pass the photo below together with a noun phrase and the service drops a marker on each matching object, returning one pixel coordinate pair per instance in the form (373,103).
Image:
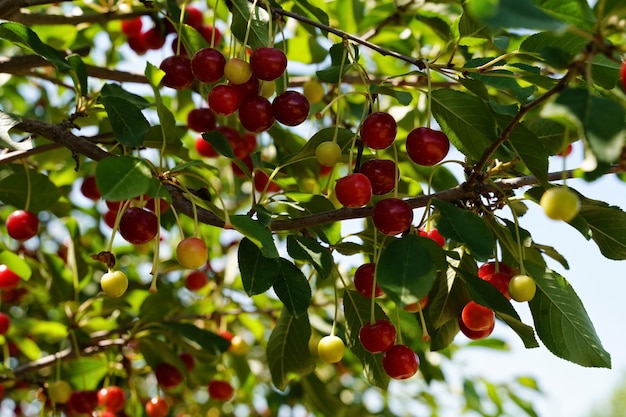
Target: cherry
(240,147)
(112,398)
(434,235)
(492,267)
(153,38)
(224,99)
(392,216)
(194,17)
(623,75)
(207,65)
(204,148)
(109,218)
(475,334)
(168,376)
(138,44)
(188,360)
(157,407)
(378,130)
(191,253)
(250,142)
(560,203)
(477,317)
(381,173)
(250,88)
(178,73)
(59,392)
(247,160)
(132,27)
(84,402)
(163,205)
(354,190)
(290,108)
(426,146)
(522,288)
(260,182)
(500,281)
(416,307)
(377,337)
(22,225)
(196,280)
(210,34)
(220,390)
(138,225)
(255,114)
(237,71)
(268,63)
(364,280)
(201,120)
(566,151)
(400,362)
(5,323)
(114,283)
(9,280)
(313,91)
(328,153)
(89,188)
(331,349)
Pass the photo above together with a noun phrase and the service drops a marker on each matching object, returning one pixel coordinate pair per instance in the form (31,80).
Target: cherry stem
(245,38)
(336,313)
(27,204)
(429,97)
(398,325)
(213,24)
(425,334)
(157,246)
(116,225)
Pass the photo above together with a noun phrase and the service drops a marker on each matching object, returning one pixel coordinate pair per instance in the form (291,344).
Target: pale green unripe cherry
(313,91)
(331,349)
(522,288)
(237,71)
(191,253)
(560,203)
(328,153)
(114,283)
(59,392)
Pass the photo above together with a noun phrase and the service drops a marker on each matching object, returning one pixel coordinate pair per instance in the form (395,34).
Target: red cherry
(154,38)
(178,73)
(138,225)
(157,407)
(196,280)
(9,280)
(247,160)
(260,181)
(210,34)
(201,120)
(220,390)
(290,108)
(168,376)
(89,188)
(475,334)
(163,205)
(5,323)
(138,44)
(188,360)
(354,190)
(207,65)
(434,235)
(22,225)
(489,268)
(392,216)
(255,114)
(224,99)
(250,88)
(427,146)
(194,17)
(400,362)
(500,281)
(377,337)
(378,130)
(204,148)
(250,140)
(477,317)
(84,402)
(381,173)
(268,63)
(623,75)
(364,280)
(132,27)
(109,218)
(566,151)
(112,398)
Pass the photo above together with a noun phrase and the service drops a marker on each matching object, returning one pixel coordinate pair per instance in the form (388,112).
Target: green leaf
(405,270)
(219,142)
(79,74)
(607,225)
(288,349)
(258,234)
(258,273)
(192,40)
(127,121)
(28,347)
(340,64)
(205,339)
(25,37)
(601,119)
(404,98)
(531,151)
(116,90)
(576,12)
(466,120)
(317,394)
(122,178)
(513,14)
(166,117)
(319,14)
(88,373)
(16,264)
(156,352)
(558,49)
(449,294)
(562,323)
(7,122)
(466,228)
(357,310)
(309,250)
(292,288)
(14,190)
(244,15)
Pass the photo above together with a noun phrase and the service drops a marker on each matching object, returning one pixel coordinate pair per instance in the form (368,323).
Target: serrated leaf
(79,73)
(357,310)
(449,293)
(313,11)
(405,270)
(466,120)
(220,143)
(25,37)
(443,336)
(467,228)
(292,288)
(531,151)
(513,14)
(576,12)
(562,323)
(7,122)
(116,90)
(258,273)
(127,121)
(156,352)
(14,190)
(259,235)
(207,340)
(192,40)
(245,16)
(288,349)
(607,225)
(166,117)
(122,178)
(404,98)
(309,250)
(88,373)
